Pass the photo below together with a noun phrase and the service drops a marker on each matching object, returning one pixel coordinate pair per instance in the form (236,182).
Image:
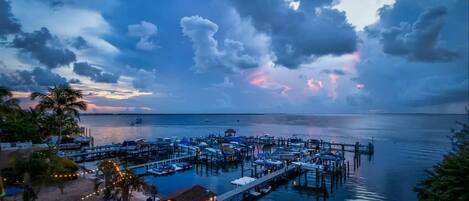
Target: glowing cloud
(92,107)
(360,86)
(261,80)
(314,85)
(258,79)
(333,86)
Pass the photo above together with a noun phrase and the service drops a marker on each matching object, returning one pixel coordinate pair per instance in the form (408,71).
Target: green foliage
(38,169)
(449,179)
(63,103)
(20,130)
(56,114)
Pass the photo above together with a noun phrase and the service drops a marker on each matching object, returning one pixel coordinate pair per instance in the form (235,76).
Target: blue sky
(297,56)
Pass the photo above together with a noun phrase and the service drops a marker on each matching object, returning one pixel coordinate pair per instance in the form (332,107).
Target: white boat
(254,193)
(176,167)
(309,166)
(158,171)
(266,189)
(268,162)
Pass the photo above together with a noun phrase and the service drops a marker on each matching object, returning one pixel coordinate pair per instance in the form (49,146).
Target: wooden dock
(231,194)
(163,162)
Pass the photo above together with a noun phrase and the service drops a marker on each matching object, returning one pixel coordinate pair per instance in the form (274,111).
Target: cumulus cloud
(207,53)
(43,46)
(95,74)
(146,31)
(314,29)
(8,23)
(71,19)
(36,80)
(419,41)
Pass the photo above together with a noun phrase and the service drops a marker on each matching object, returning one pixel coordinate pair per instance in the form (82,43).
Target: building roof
(194,193)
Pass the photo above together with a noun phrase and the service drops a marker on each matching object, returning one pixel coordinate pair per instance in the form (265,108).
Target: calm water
(405,145)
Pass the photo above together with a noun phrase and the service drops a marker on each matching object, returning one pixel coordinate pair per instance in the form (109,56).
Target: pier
(149,165)
(242,189)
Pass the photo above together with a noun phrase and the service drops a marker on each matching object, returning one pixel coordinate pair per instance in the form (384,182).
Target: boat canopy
(243,181)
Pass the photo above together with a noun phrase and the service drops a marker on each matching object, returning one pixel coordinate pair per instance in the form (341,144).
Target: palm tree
(7,103)
(123,182)
(63,102)
(111,172)
(130,182)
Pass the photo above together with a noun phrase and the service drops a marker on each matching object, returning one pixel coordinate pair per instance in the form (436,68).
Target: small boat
(176,167)
(169,169)
(268,162)
(309,166)
(158,171)
(139,120)
(254,193)
(184,165)
(266,189)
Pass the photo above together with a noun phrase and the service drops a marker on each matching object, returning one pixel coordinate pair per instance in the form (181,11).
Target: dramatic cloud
(8,24)
(79,43)
(312,30)
(207,54)
(36,80)
(96,74)
(146,31)
(420,41)
(42,46)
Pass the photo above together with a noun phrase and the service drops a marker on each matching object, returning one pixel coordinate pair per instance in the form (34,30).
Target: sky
(234,56)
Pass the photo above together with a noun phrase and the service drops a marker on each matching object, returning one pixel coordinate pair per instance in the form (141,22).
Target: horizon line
(269,113)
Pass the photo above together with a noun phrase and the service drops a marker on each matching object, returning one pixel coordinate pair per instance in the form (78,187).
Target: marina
(265,161)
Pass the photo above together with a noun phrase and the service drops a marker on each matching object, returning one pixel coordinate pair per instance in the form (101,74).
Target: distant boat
(138,120)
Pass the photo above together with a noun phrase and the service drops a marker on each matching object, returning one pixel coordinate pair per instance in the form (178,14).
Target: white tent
(243,181)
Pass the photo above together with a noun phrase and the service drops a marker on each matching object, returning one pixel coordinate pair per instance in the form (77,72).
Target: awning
(243,181)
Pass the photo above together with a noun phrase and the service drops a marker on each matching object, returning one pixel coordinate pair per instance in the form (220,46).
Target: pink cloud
(258,79)
(333,86)
(314,85)
(261,80)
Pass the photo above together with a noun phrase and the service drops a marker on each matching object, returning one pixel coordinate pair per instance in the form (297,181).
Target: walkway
(230,194)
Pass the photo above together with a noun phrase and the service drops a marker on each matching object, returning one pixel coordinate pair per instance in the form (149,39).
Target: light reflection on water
(405,145)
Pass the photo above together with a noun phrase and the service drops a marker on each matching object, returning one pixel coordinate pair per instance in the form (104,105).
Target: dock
(237,191)
(149,165)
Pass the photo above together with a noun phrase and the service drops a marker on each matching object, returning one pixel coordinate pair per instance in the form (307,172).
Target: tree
(38,169)
(110,170)
(130,182)
(63,102)
(449,179)
(123,182)
(7,103)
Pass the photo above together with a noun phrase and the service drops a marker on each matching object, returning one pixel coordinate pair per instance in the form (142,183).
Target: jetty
(243,189)
(149,165)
